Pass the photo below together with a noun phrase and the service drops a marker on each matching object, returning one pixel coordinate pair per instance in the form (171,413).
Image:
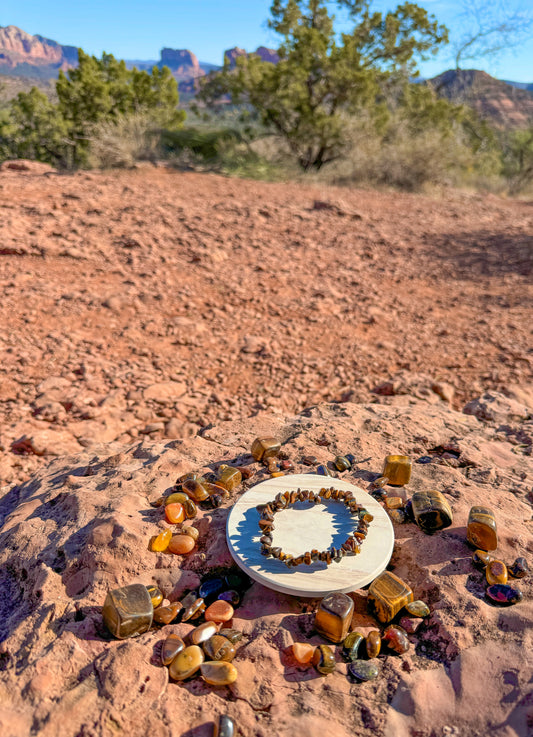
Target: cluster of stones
(388,596)
(351,546)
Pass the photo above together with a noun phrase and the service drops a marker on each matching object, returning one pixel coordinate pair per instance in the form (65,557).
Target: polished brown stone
(219,611)
(203,632)
(128,611)
(181,544)
(496,572)
(167,614)
(387,595)
(396,639)
(324,659)
(218,647)
(373,644)
(195,490)
(191,531)
(303,652)
(431,511)
(397,469)
(190,509)
(225,727)
(186,663)
(232,635)
(417,609)
(155,595)
(394,502)
(178,497)
(218,673)
(170,648)
(519,569)
(481,528)
(342,463)
(229,477)
(263,448)
(481,558)
(193,611)
(351,645)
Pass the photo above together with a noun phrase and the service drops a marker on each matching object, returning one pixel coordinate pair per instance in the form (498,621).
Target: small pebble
(417,609)
(323,470)
(496,572)
(155,595)
(324,659)
(342,463)
(178,497)
(351,645)
(167,614)
(503,594)
(394,502)
(186,663)
(373,644)
(181,544)
(219,611)
(218,673)
(203,632)
(398,516)
(519,569)
(191,531)
(211,587)
(303,652)
(225,727)
(396,639)
(194,610)
(161,542)
(174,513)
(364,670)
(310,460)
(481,558)
(170,648)
(232,596)
(218,647)
(424,459)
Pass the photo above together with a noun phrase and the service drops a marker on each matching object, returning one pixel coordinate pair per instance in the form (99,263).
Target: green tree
(323,75)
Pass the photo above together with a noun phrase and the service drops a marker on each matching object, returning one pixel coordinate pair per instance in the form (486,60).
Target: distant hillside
(504,105)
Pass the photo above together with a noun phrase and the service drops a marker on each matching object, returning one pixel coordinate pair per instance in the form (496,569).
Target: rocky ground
(154,302)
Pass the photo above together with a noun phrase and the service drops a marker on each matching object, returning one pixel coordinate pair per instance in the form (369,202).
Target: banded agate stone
(397,469)
(387,595)
(128,611)
(431,511)
(334,617)
(503,594)
(396,639)
(481,529)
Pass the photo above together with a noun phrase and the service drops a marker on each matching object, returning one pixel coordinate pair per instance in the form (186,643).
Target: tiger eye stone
(167,614)
(181,544)
(303,652)
(417,609)
(264,448)
(380,482)
(373,644)
(232,635)
(219,611)
(387,595)
(218,673)
(324,659)
(310,460)
(218,647)
(170,648)
(186,663)
(351,645)
(194,610)
(155,595)
(519,569)
(496,572)
(396,639)
(229,477)
(174,513)
(397,469)
(431,511)
(128,611)
(481,558)
(394,502)
(190,509)
(203,632)
(503,594)
(334,616)
(481,529)
(178,497)
(195,490)
(342,463)
(225,727)
(160,542)
(363,670)
(398,516)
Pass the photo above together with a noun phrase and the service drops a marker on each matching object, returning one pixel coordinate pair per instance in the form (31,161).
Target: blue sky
(135,29)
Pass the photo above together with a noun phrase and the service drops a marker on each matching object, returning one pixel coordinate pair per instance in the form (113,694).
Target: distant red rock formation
(18,47)
(181,62)
(265,54)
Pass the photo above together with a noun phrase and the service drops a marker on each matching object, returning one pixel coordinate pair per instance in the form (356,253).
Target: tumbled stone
(323,470)
(190,509)
(233,597)
(186,663)
(160,542)
(219,611)
(191,531)
(203,632)
(396,639)
(211,588)
(225,727)
(195,490)
(481,528)
(324,659)
(264,448)
(170,648)
(431,511)
(410,624)
(481,558)
(519,569)
(394,502)
(174,513)
(229,477)
(334,616)
(398,516)
(286,465)
(342,463)
(230,634)
(189,599)
(503,594)
(373,644)
(380,482)
(310,460)
(218,647)
(387,595)
(167,614)
(155,595)
(363,670)
(496,572)
(181,544)
(303,652)
(128,611)
(218,673)
(193,611)
(417,608)
(351,645)
(397,469)
(178,497)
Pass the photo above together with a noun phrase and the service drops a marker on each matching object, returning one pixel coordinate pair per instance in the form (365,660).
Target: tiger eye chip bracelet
(351,546)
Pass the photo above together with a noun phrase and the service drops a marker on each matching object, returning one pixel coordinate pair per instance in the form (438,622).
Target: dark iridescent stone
(232,596)
(323,470)
(396,639)
(128,611)
(324,659)
(363,670)
(519,569)
(408,511)
(225,727)
(170,648)
(503,594)
(231,635)
(351,645)
(210,588)
(424,459)
(351,458)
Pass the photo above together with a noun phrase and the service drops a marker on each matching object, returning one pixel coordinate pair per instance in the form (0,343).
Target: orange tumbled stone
(161,541)
(303,652)
(175,513)
(219,611)
(181,544)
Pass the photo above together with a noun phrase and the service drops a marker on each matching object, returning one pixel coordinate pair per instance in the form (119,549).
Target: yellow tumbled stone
(161,541)
(218,672)
(397,469)
(186,663)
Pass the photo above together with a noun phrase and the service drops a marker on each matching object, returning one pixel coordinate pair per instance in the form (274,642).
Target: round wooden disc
(305,526)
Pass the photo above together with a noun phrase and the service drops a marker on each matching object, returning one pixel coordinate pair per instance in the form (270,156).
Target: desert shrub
(119,143)
(518,160)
